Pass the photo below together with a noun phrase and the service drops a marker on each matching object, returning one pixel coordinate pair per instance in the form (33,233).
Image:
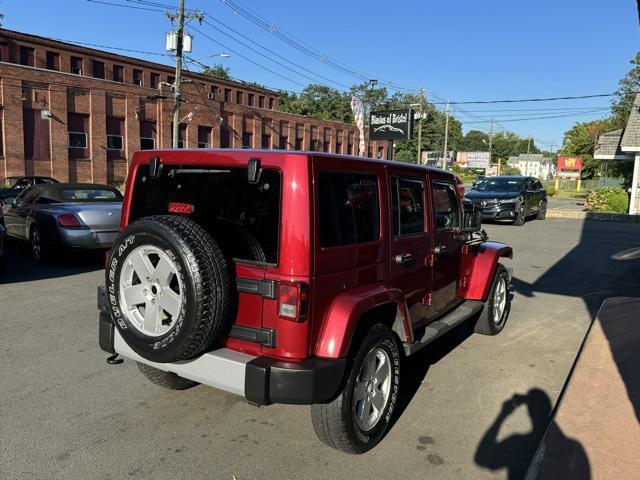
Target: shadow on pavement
(604,264)
(514,452)
(20,267)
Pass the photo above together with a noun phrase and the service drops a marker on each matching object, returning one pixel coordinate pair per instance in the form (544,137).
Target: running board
(439,327)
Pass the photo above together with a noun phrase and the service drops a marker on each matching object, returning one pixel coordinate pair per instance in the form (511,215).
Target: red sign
(569,163)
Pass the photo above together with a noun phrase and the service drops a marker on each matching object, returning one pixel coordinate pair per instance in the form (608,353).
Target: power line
(541,118)
(95,45)
(124,6)
(548,99)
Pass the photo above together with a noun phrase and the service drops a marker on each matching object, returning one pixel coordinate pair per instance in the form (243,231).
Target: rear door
(409,251)
(446,214)
(16,215)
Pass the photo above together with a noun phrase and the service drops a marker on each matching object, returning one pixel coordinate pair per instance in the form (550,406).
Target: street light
(221,55)
(419,160)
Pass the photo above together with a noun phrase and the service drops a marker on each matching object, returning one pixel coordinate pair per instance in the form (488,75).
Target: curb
(600,216)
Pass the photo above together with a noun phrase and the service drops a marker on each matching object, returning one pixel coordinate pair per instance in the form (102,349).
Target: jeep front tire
(358,419)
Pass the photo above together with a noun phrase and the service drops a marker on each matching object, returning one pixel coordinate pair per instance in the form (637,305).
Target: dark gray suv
(509,198)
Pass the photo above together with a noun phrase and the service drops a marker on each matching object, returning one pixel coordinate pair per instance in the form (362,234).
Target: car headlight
(509,200)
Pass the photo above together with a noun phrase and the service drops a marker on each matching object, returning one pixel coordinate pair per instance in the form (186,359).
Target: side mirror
(471,222)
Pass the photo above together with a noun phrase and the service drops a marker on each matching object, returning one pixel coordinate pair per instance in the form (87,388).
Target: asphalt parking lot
(471,406)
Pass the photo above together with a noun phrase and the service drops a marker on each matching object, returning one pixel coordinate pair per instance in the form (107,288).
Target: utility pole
(529,145)
(372,83)
(490,140)
(420,105)
(446,138)
(180,17)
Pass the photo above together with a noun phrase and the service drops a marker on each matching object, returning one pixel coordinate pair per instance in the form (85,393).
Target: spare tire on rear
(169,288)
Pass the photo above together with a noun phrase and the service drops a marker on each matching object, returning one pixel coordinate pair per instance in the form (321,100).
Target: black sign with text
(391,125)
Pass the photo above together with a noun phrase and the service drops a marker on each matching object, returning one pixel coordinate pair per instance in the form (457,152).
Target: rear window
(349,211)
(242,217)
(90,195)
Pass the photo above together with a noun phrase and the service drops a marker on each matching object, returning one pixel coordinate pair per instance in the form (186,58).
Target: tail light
(68,220)
(292,301)
(175,207)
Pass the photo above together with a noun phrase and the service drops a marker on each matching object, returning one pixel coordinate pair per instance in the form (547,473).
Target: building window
(266,133)
(78,141)
(98,69)
(37,137)
(213,92)
(204,136)
(227,94)
(27,56)
(239,97)
(225,132)
(1,138)
(251,99)
(137,77)
(147,135)
(4,52)
(261,101)
(370,152)
(154,80)
(314,144)
(284,136)
(271,103)
(348,209)
(171,80)
(247,133)
(350,143)
(53,61)
(182,135)
(76,65)
(380,151)
(115,138)
(326,145)
(339,141)
(118,73)
(299,136)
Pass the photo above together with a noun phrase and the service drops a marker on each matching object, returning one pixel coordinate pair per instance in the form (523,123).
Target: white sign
(434,159)
(474,159)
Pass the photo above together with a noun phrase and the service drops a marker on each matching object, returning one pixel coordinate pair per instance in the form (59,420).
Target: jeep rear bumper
(261,380)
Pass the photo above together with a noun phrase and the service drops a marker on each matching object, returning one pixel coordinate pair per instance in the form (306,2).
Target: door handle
(440,249)
(404,258)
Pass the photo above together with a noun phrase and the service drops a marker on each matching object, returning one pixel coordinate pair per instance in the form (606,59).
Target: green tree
(318,101)
(581,140)
(218,71)
(474,141)
(626,94)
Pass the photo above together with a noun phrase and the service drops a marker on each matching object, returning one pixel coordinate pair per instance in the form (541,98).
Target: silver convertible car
(59,216)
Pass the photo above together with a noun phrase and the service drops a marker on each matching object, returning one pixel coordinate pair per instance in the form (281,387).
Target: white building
(532,165)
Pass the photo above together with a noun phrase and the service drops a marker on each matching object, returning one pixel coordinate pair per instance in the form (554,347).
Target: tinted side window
(348,208)
(539,185)
(27,197)
(408,206)
(445,206)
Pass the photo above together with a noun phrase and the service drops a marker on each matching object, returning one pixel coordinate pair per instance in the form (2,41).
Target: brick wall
(61,93)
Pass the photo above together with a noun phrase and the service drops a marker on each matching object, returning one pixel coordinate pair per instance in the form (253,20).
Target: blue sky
(458,50)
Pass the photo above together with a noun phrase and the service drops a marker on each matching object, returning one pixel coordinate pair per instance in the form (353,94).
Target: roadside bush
(607,199)
(551,191)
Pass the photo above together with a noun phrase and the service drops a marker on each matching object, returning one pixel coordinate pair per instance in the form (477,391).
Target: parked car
(11,187)
(293,277)
(509,198)
(64,216)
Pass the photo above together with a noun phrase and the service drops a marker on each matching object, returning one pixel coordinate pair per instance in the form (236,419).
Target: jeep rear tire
(164,379)
(496,309)
(168,288)
(358,419)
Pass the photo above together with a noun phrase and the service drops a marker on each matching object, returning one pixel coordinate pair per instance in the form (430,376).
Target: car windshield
(8,182)
(501,185)
(82,195)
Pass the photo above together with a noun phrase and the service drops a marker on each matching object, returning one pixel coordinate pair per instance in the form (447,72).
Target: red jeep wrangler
(295,277)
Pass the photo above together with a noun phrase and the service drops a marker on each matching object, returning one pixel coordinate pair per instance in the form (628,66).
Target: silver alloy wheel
(372,388)
(151,291)
(500,300)
(36,248)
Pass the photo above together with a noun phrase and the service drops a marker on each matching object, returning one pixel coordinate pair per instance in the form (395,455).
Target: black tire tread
(484,324)
(164,379)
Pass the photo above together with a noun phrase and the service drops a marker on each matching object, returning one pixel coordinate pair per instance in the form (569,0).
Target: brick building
(78,114)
